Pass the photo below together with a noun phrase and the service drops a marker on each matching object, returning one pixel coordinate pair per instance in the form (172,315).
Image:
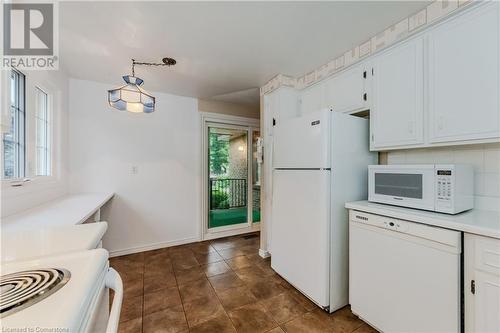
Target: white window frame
(48,135)
(30,182)
(20,131)
(249,124)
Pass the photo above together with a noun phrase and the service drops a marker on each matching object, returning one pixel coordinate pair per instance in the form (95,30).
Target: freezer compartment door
(300,229)
(303,142)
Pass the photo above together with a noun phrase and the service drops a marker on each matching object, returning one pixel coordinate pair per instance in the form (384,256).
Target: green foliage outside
(220,200)
(219,154)
(219,163)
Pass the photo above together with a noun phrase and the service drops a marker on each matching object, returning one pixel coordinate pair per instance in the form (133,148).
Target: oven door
(402,185)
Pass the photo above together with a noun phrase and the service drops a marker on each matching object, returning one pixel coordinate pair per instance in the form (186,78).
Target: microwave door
(409,188)
(399,185)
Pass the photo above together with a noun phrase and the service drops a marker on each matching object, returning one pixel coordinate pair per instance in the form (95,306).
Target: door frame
(236,122)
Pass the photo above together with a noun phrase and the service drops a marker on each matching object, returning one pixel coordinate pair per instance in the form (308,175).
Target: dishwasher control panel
(396,225)
(379,221)
(418,229)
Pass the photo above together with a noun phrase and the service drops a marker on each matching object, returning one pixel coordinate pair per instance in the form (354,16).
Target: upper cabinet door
(312,98)
(464,77)
(268,115)
(346,91)
(279,105)
(396,116)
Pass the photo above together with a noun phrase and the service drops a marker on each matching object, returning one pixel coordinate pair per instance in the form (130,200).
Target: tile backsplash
(485,158)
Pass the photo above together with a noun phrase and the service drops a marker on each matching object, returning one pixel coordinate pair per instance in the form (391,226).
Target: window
(43,156)
(27,148)
(14,141)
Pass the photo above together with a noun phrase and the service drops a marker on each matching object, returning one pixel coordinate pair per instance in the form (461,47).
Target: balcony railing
(228,193)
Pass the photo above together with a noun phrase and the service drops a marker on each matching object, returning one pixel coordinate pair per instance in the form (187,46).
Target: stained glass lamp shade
(131,97)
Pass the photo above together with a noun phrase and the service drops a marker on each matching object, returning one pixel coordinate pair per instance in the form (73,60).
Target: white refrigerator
(320,162)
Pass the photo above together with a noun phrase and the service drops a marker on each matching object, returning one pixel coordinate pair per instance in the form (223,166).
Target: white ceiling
(248,96)
(223,49)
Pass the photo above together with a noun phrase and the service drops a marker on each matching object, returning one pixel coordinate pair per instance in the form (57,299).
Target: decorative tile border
(434,11)
(417,20)
(322,72)
(439,9)
(352,56)
(365,49)
(278,81)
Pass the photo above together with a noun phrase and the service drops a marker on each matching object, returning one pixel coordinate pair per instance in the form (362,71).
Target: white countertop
(22,244)
(475,221)
(67,210)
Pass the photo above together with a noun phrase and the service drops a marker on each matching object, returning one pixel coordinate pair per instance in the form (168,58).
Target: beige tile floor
(218,286)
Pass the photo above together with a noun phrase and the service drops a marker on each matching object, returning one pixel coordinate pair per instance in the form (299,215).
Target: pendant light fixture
(131,97)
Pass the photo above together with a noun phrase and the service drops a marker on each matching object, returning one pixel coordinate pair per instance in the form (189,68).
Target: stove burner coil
(23,289)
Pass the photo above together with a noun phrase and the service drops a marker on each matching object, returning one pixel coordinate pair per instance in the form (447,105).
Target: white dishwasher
(404,276)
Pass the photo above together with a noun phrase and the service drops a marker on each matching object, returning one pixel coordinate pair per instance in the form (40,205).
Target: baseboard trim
(230,232)
(264,253)
(155,246)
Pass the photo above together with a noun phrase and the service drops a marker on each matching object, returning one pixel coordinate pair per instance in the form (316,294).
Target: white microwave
(443,188)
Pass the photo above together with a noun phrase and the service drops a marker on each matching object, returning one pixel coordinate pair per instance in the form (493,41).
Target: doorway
(231,182)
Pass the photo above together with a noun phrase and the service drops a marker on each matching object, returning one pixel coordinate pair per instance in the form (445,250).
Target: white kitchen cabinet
(482,284)
(348,91)
(397,112)
(464,76)
(279,105)
(312,98)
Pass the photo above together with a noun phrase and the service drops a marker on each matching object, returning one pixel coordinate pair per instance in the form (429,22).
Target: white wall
(42,189)
(232,109)
(158,206)
(485,159)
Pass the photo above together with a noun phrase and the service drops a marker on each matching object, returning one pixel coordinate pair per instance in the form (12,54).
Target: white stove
(64,293)
(22,289)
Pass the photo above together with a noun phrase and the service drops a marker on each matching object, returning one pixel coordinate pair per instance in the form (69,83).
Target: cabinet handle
(364,75)
(365,97)
(274,121)
(473,287)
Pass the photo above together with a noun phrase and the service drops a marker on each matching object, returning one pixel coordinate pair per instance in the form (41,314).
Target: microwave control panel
(454,186)
(444,185)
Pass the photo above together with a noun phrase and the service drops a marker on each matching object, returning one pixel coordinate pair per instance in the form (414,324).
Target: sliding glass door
(255,178)
(233,186)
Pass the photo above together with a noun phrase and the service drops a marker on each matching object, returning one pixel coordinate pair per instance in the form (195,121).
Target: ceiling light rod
(165,62)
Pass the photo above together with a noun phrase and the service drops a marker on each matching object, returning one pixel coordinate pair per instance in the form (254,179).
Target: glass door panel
(228,176)
(255,179)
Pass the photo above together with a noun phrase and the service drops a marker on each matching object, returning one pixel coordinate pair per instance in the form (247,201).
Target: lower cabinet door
(482,284)
(487,305)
